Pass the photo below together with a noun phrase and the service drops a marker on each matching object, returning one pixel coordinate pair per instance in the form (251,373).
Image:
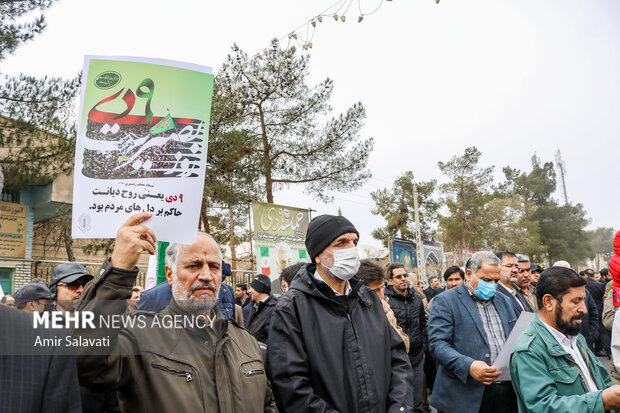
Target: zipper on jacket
(253,372)
(186,374)
(352,326)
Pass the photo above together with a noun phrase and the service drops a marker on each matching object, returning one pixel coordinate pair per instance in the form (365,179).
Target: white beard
(187,300)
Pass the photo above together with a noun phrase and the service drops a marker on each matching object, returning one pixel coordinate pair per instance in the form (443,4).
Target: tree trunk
(203,217)
(463,221)
(68,244)
(266,157)
(233,253)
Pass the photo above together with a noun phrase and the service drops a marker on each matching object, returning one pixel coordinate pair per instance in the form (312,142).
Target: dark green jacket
(165,368)
(547,379)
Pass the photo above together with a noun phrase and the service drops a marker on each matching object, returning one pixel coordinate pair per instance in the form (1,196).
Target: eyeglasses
(398,277)
(74,285)
(522,270)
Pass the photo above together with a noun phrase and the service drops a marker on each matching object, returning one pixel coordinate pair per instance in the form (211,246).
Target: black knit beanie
(322,230)
(261,284)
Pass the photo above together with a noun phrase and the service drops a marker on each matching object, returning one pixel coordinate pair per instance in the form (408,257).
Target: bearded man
(552,368)
(157,366)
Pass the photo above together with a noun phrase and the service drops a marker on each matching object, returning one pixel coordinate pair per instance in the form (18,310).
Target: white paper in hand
(502,362)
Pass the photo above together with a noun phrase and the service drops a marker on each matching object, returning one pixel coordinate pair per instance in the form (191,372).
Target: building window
(6,280)
(9,196)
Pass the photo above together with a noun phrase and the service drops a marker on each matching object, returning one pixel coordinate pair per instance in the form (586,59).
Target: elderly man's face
(198,272)
(344,241)
(488,273)
(435,283)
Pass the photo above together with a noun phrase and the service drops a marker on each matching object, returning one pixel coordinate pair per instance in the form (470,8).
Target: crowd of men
(346,335)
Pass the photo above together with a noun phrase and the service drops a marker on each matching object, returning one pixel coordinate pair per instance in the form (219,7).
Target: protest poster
(13,229)
(279,238)
(403,251)
(141,146)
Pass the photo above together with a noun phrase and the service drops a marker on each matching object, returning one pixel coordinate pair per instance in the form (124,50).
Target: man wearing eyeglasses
(66,285)
(523,284)
(67,282)
(508,276)
(411,317)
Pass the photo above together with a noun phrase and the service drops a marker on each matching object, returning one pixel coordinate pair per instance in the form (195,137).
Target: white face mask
(346,263)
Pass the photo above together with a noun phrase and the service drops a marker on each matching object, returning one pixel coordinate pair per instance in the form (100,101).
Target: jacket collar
(269,301)
(555,349)
(395,294)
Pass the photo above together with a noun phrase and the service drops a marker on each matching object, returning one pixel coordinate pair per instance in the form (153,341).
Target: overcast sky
(513,77)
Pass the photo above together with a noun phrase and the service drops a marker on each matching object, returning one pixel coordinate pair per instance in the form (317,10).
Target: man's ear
(548,302)
(468,273)
(168,275)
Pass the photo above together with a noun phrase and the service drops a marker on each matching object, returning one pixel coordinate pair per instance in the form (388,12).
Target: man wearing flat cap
(32,298)
(331,348)
(66,284)
(263,304)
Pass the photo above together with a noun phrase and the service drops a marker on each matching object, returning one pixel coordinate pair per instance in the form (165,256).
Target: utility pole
(418,237)
(252,260)
(562,167)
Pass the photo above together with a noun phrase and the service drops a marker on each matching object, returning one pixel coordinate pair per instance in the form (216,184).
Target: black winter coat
(410,316)
(258,320)
(331,353)
(589,324)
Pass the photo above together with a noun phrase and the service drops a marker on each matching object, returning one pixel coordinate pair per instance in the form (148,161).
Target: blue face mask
(485,290)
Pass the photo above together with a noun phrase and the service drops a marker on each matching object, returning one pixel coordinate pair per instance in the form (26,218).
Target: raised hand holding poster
(141,146)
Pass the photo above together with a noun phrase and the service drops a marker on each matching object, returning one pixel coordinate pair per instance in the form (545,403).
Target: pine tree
(396,206)
(465,197)
(36,124)
(292,134)
(37,131)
